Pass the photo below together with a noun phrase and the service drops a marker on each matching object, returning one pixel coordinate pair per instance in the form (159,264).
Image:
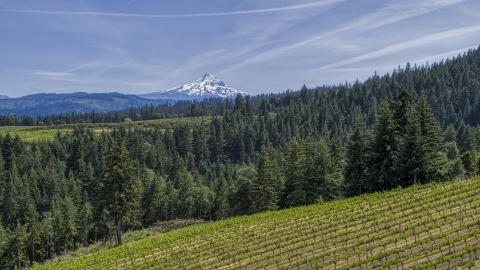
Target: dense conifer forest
(417,125)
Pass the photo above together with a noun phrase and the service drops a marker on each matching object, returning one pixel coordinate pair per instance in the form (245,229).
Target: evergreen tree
(295,182)
(186,201)
(34,232)
(267,184)
(48,234)
(154,201)
(85,219)
(401,109)
(468,161)
(327,177)
(354,172)
(221,198)
(120,186)
(450,134)
(69,225)
(465,138)
(383,152)
(421,158)
(200,144)
(239,199)
(12,198)
(451,150)
(183,140)
(13,255)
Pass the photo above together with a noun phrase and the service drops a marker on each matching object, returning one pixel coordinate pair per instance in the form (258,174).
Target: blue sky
(140,46)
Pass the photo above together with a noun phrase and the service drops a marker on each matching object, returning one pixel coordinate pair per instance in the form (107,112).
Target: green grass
(37,133)
(30,134)
(434,226)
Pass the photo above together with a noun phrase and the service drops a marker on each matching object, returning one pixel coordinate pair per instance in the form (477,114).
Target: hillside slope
(431,226)
(80,102)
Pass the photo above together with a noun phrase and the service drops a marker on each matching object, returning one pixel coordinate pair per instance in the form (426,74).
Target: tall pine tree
(268,183)
(120,186)
(383,152)
(354,172)
(421,157)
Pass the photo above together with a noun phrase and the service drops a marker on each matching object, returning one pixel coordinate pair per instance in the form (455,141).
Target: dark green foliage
(12,198)
(451,150)
(356,161)
(401,109)
(221,196)
(154,201)
(240,203)
(312,174)
(268,182)
(421,156)
(85,220)
(383,152)
(468,161)
(450,134)
(34,233)
(14,256)
(327,174)
(465,137)
(294,175)
(120,186)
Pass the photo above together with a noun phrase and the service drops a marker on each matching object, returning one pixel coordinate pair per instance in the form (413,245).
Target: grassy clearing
(30,134)
(37,133)
(434,226)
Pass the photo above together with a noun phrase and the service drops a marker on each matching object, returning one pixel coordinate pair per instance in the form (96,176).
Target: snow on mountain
(207,86)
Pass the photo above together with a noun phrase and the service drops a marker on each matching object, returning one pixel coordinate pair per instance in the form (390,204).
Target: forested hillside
(73,103)
(417,125)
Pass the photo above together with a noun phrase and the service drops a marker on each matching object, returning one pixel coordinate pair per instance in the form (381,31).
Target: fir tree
(327,176)
(401,109)
(13,255)
(85,219)
(450,134)
(294,175)
(221,198)
(465,138)
(155,200)
(12,198)
(120,186)
(354,172)
(267,184)
(383,152)
(239,199)
(69,225)
(34,232)
(421,158)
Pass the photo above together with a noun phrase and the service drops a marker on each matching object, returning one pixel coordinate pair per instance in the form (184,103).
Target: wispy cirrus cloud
(395,12)
(55,76)
(421,41)
(244,12)
(248,36)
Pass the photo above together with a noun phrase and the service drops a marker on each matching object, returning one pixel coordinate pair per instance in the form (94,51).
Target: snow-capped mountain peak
(207,86)
(211,78)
